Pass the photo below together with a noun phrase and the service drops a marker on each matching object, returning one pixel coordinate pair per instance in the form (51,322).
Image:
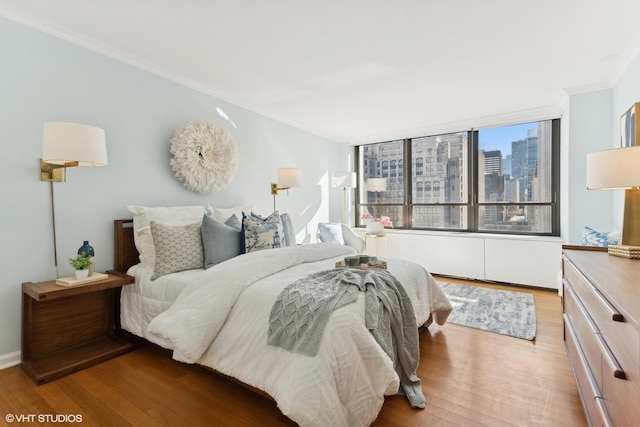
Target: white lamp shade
(289,177)
(64,142)
(618,168)
(343,180)
(376,184)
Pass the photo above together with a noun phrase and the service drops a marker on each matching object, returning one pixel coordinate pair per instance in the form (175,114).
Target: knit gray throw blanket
(302,310)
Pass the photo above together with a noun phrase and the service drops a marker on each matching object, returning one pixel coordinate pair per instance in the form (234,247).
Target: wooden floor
(469,378)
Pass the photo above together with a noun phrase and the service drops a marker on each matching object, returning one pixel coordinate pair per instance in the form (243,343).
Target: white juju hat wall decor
(203,156)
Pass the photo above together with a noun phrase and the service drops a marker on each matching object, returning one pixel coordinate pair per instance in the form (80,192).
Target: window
(377,195)
(497,180)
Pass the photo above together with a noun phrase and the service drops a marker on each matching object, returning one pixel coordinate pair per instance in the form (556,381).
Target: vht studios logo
(43,418)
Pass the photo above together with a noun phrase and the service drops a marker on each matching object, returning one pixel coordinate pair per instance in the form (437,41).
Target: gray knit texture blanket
(301,312)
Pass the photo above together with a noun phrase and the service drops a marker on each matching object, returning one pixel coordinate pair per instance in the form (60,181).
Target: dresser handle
(616,316)
(610,359)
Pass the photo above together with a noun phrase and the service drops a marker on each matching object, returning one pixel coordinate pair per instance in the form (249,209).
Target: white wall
(43,78)
(590,130)
(625,94)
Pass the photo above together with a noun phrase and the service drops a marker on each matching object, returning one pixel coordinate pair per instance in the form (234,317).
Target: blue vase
(88,249)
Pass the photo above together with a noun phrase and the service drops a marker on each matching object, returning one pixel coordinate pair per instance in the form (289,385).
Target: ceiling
(362,70)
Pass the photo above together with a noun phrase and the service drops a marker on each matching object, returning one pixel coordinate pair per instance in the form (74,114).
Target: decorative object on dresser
(495,310)
(67,145)
(618,169)
(66,329)
(204,157)
(601,314)
(287,178)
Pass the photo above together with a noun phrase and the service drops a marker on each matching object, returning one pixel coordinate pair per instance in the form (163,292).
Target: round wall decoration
(203,157)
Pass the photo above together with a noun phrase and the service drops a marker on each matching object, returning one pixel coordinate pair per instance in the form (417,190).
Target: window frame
(473,206)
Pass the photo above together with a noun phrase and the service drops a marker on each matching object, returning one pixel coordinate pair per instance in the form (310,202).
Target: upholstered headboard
(126,253)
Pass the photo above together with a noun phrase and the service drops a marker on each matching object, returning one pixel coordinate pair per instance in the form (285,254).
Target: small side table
(66,329)
(377,238)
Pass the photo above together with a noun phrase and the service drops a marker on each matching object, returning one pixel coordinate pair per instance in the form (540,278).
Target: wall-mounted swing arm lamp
(68,145)
(619,169)
(287,178)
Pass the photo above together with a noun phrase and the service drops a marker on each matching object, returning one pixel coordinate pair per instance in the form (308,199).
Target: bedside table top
(50,290)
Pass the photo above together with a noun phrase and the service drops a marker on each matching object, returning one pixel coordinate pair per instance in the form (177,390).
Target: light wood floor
(469,378)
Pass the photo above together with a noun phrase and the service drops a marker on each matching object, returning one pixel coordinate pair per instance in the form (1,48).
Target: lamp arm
(53,172)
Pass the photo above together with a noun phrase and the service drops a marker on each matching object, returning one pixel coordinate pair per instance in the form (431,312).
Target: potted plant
(81,264)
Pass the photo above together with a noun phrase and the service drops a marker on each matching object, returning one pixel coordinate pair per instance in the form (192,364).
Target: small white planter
(82,274)
(375,227)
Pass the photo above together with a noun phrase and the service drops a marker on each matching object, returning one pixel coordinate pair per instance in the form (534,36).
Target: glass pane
(514,163)
(439,172)
(515,218)
(390,216)
(440,217)
(381,173)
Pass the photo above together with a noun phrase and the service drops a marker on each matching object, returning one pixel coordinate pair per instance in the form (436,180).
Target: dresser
(601,313)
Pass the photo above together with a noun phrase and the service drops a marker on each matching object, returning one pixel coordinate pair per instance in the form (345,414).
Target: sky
(500,138)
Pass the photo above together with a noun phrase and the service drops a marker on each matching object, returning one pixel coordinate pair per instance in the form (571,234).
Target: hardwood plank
(469,377)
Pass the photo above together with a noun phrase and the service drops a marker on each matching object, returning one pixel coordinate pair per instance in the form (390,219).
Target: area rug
(494,310)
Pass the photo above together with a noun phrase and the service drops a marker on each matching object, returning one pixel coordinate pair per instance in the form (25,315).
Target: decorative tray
(375,265)
(72,281)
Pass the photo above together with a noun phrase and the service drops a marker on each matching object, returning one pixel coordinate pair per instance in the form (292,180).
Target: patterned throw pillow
(178,248)
(171,215)
(591,237)
(261,233)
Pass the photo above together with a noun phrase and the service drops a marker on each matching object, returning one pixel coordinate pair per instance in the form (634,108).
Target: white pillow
(222,214)
(142,217)
(331,233)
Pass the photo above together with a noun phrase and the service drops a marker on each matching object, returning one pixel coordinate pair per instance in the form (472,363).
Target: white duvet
(220,320)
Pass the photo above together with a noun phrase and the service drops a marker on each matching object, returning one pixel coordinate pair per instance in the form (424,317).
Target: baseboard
(10,359)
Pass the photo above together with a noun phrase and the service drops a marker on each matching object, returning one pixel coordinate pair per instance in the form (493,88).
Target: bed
(219,318)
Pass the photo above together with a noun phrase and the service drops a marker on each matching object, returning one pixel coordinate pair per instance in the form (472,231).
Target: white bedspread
(220,320)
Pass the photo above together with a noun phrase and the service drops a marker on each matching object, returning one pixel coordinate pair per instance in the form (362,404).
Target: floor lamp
(344,180)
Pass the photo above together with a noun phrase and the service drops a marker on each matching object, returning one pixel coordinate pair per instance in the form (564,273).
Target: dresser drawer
(594,406)
(606,335)
(621,336)
(586,333)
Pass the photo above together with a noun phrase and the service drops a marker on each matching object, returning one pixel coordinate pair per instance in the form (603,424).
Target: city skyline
(513,171)
(500,138)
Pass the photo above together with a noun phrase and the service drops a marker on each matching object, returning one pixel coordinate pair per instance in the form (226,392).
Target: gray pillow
(234,222)
(331,233)
(178,248)
(220,241)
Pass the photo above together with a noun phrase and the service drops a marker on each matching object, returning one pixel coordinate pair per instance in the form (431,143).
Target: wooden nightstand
(66,329)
